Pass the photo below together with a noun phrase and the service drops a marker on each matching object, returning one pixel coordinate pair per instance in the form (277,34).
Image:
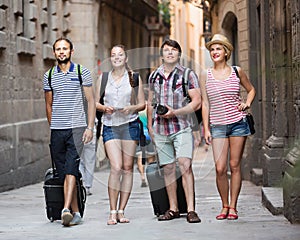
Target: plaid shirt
(170,93)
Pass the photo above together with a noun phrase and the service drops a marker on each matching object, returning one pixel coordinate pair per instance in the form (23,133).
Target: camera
(161,110)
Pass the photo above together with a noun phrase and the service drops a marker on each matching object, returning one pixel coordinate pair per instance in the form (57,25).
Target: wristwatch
(90,128)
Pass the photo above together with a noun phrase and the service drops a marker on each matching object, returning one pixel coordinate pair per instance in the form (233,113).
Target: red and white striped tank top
(224,98)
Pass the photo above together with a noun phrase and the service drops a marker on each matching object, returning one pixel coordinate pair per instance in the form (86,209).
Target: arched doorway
(230,28)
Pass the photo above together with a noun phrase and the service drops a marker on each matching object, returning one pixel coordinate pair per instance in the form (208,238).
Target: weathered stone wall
(291,179)
(24,56)
(27,32)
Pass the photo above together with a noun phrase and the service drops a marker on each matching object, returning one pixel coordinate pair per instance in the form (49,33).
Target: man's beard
(64,61)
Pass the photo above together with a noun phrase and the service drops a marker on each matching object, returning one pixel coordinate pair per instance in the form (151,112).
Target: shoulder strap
(50,72)
(79,70)
(103,86)
(136,78)
(153,76)
(185,79)
(236,71)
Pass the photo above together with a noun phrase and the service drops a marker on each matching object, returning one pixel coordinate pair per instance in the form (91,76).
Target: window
(25,12)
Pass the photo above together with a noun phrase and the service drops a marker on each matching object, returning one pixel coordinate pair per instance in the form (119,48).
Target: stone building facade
(28,29)
(266,38)
(187,29)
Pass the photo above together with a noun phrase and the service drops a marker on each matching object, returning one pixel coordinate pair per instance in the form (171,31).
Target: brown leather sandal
(192,217)
(169,215)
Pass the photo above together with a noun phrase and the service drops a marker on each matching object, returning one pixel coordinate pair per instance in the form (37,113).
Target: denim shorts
(128,131)
(237,129)
(174,146)
(66,148)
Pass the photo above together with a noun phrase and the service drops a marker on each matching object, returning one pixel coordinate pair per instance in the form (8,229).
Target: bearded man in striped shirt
(64,97)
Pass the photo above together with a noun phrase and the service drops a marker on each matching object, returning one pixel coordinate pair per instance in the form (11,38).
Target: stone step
(272,199)
(256,176)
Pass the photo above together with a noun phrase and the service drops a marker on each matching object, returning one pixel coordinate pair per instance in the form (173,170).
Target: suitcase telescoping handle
(142,141)
(52,161)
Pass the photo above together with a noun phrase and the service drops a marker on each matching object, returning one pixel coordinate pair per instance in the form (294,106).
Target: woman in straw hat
(224,120)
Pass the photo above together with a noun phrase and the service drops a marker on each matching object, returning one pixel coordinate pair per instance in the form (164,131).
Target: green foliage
(164,11)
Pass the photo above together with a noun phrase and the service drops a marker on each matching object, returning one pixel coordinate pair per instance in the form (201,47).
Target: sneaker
(66,217)
(76,219)
(88,191)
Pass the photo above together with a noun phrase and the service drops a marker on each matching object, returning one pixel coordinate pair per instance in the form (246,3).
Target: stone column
(83,22)
(275,144)
(291,185)
(291,180)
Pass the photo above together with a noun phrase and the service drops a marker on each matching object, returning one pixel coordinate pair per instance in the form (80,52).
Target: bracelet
(90,128)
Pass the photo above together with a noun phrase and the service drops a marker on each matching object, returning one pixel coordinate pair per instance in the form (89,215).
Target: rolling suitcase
(54,194)
(158,192)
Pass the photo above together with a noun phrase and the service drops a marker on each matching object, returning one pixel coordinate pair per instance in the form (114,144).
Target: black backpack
(102,93)
(196,117)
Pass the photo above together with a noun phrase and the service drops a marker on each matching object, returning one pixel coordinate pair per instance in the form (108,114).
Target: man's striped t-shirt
(67,106)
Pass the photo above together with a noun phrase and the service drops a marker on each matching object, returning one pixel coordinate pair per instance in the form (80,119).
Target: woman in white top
(224,120)
(123,99)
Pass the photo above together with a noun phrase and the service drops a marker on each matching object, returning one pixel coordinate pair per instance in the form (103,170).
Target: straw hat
(220,39)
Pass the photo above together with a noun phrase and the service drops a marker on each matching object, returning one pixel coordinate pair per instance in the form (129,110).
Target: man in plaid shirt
(169,125)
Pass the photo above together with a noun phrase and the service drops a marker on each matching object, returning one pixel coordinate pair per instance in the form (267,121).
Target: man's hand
(87,136)
(169,114)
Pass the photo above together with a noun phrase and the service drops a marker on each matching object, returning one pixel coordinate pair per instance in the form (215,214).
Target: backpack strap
(153,76)
(79,71)
(50,72)
(103,86)
(136,80)
(185,79)
(196,117)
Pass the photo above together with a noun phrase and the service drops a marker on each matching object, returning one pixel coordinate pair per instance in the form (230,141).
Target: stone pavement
(23,214)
